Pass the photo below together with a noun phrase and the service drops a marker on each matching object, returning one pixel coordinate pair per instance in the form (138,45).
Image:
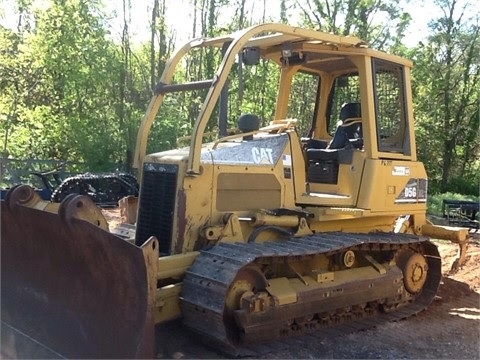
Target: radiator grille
(157,205)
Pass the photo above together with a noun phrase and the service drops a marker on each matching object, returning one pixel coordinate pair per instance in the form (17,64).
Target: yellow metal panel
(281,290)
(364,67)
(194,193)
(247,191)
(410,119)
(367,223)
(284,92)
(167,306)
(175,265)
(382,184)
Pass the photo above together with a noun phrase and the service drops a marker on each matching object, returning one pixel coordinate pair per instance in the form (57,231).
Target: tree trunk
(122,116)
(153,30)
(162,40)
(449,141)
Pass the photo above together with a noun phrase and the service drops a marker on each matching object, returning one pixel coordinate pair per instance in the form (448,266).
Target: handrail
(276,125)
(155,102)
(162,88)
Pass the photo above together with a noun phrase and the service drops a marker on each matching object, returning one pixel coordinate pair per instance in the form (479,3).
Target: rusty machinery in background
(104,189)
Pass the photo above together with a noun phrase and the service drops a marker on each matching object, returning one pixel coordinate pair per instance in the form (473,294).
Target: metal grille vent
(157,205)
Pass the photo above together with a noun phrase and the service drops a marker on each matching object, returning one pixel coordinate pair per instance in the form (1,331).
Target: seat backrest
(350,110)
(347,130)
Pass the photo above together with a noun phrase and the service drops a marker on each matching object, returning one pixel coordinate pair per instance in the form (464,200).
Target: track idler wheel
(414,267)
(249,281)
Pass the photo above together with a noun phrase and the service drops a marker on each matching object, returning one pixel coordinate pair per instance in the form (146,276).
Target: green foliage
(67,72)
(356,17)
(446,88)
(468,186)
(69,91)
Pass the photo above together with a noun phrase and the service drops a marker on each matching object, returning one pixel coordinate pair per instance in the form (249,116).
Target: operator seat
(323,164)
(248,123)
(350,129)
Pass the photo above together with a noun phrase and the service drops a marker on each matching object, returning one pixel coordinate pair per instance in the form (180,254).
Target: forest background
(75,79)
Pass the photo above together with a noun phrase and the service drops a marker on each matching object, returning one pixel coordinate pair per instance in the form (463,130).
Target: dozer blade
(73,287)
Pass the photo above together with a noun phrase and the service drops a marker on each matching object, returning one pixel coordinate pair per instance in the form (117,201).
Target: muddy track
(207,282)
(448,329)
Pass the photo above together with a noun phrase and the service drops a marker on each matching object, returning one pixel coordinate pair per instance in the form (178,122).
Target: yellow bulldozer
(280,227)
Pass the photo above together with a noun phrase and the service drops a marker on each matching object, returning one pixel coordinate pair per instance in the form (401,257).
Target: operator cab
(359,113)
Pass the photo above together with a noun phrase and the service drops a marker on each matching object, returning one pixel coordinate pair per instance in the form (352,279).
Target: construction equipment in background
(49,180)
(461,212)
(257,235)
(105,189)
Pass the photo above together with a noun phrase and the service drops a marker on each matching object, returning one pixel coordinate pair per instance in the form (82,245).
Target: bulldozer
(282,226)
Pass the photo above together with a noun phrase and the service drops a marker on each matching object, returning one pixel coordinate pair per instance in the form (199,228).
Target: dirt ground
(448,329)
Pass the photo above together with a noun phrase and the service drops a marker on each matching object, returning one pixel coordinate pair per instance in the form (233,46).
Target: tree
(65,105)
(17,79)
(447,89)
(381,23)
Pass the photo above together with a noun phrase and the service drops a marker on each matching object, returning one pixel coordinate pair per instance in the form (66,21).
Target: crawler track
(104,189)
(209,283)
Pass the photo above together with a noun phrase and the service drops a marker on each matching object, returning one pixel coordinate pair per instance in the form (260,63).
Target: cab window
(346,89)
(390,107)
(302,104)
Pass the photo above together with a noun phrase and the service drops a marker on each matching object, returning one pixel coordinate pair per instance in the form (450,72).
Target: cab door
(333,176)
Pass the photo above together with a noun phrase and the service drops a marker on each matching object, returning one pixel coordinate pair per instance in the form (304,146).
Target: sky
(179,17)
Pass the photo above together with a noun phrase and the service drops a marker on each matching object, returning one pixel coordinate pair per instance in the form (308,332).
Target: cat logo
(262,156)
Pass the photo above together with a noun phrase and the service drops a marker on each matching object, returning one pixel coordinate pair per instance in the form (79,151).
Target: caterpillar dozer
(313,217)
